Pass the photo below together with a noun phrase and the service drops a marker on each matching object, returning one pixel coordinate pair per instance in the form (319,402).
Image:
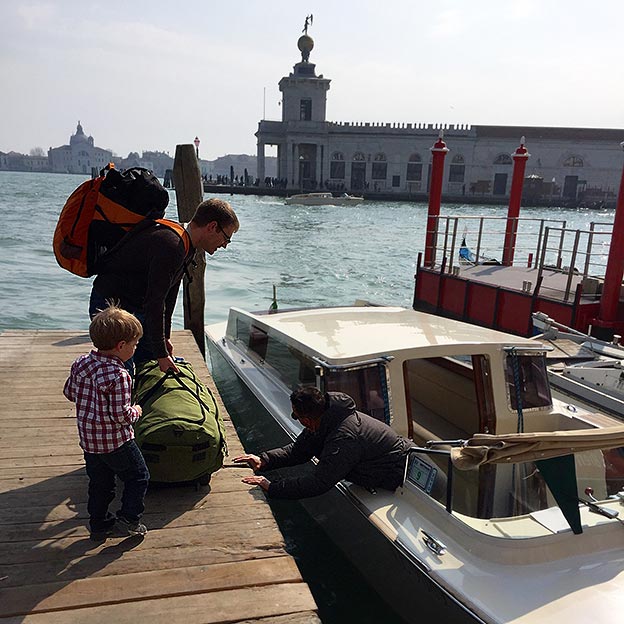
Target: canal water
(323,255)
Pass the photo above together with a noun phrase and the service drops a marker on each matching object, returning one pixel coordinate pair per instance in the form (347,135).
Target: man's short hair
(215,210)
(112,325)
(309,402)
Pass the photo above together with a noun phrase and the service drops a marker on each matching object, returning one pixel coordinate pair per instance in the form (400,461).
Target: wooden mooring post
(189,194)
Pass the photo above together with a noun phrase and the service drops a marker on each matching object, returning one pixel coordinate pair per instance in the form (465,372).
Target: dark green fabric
(181,432)
(560,476)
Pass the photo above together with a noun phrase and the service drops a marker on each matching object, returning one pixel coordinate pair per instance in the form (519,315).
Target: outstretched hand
(253,461)
(263,482)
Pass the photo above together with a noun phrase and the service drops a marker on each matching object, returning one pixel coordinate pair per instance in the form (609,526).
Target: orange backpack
(101,214)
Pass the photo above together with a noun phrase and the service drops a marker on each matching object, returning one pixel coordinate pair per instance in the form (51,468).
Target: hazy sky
(148,75)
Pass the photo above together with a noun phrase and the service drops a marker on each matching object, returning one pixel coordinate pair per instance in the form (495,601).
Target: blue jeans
(128,464)
(142,353)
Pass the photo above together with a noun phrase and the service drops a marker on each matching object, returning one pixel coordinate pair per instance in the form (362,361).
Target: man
(143,276)
(348,444)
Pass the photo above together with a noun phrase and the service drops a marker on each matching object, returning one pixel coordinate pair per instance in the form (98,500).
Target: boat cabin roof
(340,335)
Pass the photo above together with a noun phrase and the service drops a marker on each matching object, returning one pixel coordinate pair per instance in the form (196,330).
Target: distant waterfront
(325,255)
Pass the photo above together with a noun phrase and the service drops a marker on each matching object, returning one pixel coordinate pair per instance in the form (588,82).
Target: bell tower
(304,94)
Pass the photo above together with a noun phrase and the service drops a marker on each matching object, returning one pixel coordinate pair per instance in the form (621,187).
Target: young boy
(101,387)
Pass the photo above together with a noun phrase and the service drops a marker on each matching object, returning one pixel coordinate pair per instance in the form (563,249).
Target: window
(503,159)
(380,167)
(457,169)
(337,166)
(366,386)
(533,389)
(305,109)
(359,157)
(396,181)
(414,168)
(573,161)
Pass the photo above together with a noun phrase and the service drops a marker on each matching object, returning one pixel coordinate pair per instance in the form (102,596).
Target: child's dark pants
(128,464)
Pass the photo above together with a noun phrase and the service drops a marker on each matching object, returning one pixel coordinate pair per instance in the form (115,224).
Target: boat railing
(538,243)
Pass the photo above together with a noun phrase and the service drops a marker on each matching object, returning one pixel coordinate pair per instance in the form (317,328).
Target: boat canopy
(518,448)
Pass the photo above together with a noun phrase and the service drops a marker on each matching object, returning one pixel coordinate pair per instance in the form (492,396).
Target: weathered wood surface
(213,555)
(189,194)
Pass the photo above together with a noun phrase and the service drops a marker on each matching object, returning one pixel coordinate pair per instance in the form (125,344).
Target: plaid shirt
(101,388)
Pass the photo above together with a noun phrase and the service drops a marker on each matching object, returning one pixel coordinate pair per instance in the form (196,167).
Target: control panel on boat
(421,474)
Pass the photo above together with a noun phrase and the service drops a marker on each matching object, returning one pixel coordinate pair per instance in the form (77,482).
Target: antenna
(263,102)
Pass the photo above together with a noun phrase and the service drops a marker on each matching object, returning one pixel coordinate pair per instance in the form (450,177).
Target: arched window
(380,167)
(457,169)
(359,157)
(337,166)
(503,159)
(573,161)
(414,168)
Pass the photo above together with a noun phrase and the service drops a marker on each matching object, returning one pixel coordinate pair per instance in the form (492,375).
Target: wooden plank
(207,607)
(87,592)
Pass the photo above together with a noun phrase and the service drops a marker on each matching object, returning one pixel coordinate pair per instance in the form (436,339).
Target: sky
(151,75)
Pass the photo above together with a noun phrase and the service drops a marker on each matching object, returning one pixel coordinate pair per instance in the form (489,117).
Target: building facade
(80,156)
(569,165)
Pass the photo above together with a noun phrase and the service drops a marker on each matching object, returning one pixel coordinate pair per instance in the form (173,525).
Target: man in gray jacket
(348,445)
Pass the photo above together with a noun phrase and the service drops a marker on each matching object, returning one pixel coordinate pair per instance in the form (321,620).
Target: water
(327,255)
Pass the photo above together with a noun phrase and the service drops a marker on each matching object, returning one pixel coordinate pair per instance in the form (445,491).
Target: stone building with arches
(568,165)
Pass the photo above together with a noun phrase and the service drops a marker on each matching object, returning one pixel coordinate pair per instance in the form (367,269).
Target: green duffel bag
(181,432)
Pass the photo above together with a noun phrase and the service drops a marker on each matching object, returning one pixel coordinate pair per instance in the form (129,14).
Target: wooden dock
(213,555)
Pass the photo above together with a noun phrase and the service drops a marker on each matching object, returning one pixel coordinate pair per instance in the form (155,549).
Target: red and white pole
(520,157)
(607,314)
(439,151)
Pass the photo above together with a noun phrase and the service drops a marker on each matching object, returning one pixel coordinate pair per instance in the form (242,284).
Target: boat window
(527,381)
(446,400)
(366,386)
(291,366)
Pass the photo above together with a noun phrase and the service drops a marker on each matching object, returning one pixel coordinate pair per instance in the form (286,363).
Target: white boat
(583,367)
(494,546)
(324,199)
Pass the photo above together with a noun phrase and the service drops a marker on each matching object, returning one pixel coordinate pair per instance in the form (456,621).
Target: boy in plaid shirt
(101,388)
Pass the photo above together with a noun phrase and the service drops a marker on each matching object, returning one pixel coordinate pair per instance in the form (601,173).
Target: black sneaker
(130,528)
(100,536)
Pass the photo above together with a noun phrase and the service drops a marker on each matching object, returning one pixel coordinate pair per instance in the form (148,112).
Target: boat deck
(512,277)
(211,555)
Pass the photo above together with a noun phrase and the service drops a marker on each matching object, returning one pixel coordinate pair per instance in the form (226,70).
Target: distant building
(569,164)
(79,156)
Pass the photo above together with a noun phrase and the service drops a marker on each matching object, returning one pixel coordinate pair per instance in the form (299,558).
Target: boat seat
(430,426)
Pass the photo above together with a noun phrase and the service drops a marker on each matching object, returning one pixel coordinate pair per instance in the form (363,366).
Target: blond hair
(112,325)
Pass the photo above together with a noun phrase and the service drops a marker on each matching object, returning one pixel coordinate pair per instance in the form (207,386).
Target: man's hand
(263,482)
(253,461)
(169,346)
(138,408)
(166,363)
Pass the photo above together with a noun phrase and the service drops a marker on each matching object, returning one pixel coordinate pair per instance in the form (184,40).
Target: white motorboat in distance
(531,534)
(324,199)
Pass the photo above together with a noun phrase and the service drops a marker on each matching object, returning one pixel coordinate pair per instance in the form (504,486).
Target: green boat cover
(181,433)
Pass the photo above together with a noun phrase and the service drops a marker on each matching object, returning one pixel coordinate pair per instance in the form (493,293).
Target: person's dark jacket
(348,445)
(144,276)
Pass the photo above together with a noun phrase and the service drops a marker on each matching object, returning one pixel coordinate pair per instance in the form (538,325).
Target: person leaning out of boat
(348,445)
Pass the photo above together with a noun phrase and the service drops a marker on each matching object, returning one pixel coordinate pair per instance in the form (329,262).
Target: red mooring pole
(607,314)
(520,157)
(439,151)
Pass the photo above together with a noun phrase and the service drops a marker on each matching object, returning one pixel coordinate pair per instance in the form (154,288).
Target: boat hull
(400,581)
